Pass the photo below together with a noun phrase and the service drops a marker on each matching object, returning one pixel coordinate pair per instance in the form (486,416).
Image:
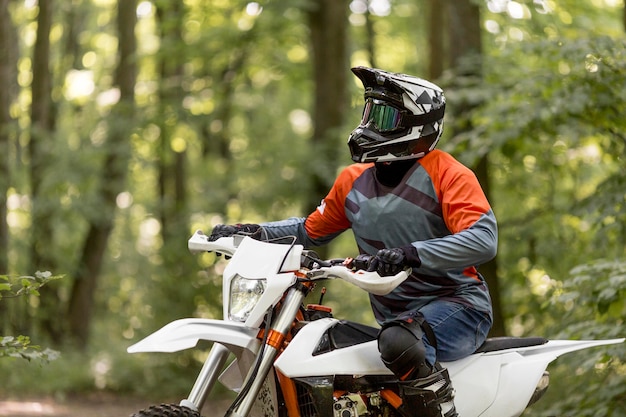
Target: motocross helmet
(402,117)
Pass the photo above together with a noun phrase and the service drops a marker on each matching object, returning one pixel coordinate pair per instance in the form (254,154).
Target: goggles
(384,117)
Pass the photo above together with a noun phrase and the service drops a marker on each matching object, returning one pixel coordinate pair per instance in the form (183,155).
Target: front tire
(167,410)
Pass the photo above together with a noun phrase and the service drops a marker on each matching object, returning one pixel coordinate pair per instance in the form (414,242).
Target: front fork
(256,375)
(207,377)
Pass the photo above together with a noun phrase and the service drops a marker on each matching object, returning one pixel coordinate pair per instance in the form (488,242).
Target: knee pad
(402,349)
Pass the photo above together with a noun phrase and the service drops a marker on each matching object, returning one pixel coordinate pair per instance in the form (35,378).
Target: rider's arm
(467,214)
(294,226)
(327,221)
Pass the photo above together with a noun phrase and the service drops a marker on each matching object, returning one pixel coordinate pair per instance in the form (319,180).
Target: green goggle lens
(382,116)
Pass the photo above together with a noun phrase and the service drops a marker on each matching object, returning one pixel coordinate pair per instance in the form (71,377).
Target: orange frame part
(391,397)
(288,387)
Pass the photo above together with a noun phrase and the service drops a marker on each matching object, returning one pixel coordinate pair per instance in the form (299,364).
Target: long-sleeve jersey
(438,207)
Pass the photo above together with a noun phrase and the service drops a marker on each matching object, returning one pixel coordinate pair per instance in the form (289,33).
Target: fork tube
(281,325)
(207,377)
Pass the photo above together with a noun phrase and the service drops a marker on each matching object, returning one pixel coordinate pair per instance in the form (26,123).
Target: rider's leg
(426,391)
(459,330)
(406,349)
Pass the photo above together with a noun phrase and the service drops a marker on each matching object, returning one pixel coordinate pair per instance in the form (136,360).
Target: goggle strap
(409,120)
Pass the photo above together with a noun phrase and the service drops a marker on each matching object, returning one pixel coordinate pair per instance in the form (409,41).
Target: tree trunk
(40,144)
(370,37)
(328,26)
(7,80)
(41,136)
(465,58)
(436,53)
(172,185)
(114,179)
(216,144)
(171,161)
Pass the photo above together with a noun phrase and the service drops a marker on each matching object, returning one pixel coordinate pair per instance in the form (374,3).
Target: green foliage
(67,374)
(20,346)
(598,287)
(589,305)
(11,287)
(104,366)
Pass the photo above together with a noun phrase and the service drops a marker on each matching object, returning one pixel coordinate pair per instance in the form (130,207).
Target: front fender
(185,334)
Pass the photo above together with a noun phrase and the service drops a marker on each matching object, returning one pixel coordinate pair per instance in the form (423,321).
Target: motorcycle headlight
(244,294)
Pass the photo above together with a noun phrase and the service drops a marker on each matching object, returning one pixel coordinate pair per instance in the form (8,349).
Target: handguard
(199,243)
(368,281)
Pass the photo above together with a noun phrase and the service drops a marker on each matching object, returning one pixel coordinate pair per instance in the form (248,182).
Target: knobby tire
(167,410)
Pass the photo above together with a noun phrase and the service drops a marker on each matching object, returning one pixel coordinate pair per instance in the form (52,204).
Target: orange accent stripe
(339,393)
(471,272)
(405,376)
(392,398)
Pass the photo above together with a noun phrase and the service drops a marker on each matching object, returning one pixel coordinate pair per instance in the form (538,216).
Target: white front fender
(185,334)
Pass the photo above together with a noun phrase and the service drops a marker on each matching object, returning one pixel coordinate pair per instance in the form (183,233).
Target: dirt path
(93,405)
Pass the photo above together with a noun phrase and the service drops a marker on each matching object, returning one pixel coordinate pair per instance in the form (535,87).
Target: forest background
(125,126)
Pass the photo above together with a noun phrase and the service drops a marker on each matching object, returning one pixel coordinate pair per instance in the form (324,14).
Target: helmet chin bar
(369,146)
(392,158)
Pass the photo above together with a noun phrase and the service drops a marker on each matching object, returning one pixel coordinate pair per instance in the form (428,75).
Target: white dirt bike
(292,360)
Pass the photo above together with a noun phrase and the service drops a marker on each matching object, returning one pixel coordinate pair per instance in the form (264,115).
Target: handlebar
(350,270)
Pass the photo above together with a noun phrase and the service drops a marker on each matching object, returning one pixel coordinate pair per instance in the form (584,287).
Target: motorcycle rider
(409,204)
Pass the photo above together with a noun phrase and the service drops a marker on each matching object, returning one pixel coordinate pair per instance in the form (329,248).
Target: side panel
(298,360)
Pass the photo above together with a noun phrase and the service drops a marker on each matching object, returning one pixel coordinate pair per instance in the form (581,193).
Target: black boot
(431,396)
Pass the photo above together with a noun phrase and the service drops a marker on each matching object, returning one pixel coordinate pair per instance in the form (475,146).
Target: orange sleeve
(462,199)
(330,217)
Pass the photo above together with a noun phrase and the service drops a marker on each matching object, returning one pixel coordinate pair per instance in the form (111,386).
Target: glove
(387,262)
(392,261)
(224,230)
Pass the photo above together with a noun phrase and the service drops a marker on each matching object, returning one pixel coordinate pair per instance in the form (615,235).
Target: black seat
(501,343)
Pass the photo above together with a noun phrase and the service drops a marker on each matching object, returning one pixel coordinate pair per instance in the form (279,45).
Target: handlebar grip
(361,262)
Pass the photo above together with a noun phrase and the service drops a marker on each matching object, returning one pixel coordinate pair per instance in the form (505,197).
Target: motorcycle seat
(501,343)
(347,333)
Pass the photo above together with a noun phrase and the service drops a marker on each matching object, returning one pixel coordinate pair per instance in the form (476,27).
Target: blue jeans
(459,330)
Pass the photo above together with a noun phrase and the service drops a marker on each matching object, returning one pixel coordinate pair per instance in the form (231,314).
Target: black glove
(392,261)
(224,230)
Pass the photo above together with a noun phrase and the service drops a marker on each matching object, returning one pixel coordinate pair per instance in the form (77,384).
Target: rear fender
(555,348)
(186,333)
